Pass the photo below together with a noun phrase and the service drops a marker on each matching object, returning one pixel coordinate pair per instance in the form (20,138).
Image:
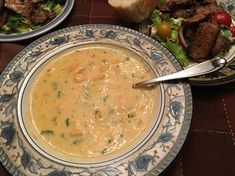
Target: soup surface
(82,102)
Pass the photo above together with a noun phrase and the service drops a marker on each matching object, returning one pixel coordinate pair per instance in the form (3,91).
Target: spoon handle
(203,68)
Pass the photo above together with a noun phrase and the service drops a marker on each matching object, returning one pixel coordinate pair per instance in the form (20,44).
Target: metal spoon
(203,68)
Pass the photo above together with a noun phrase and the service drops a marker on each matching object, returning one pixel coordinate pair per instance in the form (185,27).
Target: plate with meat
(195,31)
(23,19)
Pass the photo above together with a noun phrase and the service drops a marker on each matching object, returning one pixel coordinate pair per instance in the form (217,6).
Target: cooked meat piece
(3,16)
(208,1)
(22,7)
(201,2)
(39,16)
(197,3)
(172,5)
(36,1)
(201,13)
(51,15)
(222,44)
(184,13)
(177,3)
(204,40)
(189,32)
(162,6)
(1,4)
(212,8)
(211,20)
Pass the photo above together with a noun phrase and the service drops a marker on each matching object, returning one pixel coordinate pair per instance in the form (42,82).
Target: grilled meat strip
(1,4)
(222,44)
(203,42)
(201,13)
(3,16)
(170,6)
(208,1)
(36,1)
(189,32)
(23,8)
(193,11)
(183,13)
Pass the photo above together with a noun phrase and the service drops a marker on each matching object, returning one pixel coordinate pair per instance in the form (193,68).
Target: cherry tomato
(223,18)
(164,31)
(232,29)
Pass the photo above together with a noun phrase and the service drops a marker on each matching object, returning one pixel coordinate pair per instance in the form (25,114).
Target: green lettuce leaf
(178,52)
(156,18)
(225,33)
(49,5)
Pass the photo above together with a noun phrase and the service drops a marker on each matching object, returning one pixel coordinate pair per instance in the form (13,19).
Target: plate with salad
(195,31)
(23,19)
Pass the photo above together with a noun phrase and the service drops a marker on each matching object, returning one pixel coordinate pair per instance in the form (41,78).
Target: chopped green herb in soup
(83,103)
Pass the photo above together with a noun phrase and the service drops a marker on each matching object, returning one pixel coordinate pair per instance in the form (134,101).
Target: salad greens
(171,35)
(178,51)
(16,23)
(58,9)
(225,32)
(171,43)
(52,6)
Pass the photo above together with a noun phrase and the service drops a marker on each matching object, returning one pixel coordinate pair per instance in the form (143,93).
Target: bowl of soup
(78,113)
(80,103)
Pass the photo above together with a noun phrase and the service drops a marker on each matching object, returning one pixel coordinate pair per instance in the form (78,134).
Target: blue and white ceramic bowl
(22,155)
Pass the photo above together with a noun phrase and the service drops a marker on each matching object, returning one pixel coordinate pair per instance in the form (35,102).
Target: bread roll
(133,10)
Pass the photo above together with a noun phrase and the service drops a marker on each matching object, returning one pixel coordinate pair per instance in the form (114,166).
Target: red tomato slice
(223,18)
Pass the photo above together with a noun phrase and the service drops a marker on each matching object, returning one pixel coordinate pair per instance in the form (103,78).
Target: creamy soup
(82,102)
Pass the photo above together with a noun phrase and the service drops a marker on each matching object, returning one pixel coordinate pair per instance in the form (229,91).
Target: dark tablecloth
(209,149)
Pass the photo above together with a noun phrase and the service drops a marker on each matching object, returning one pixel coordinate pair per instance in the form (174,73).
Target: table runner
(209,149)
